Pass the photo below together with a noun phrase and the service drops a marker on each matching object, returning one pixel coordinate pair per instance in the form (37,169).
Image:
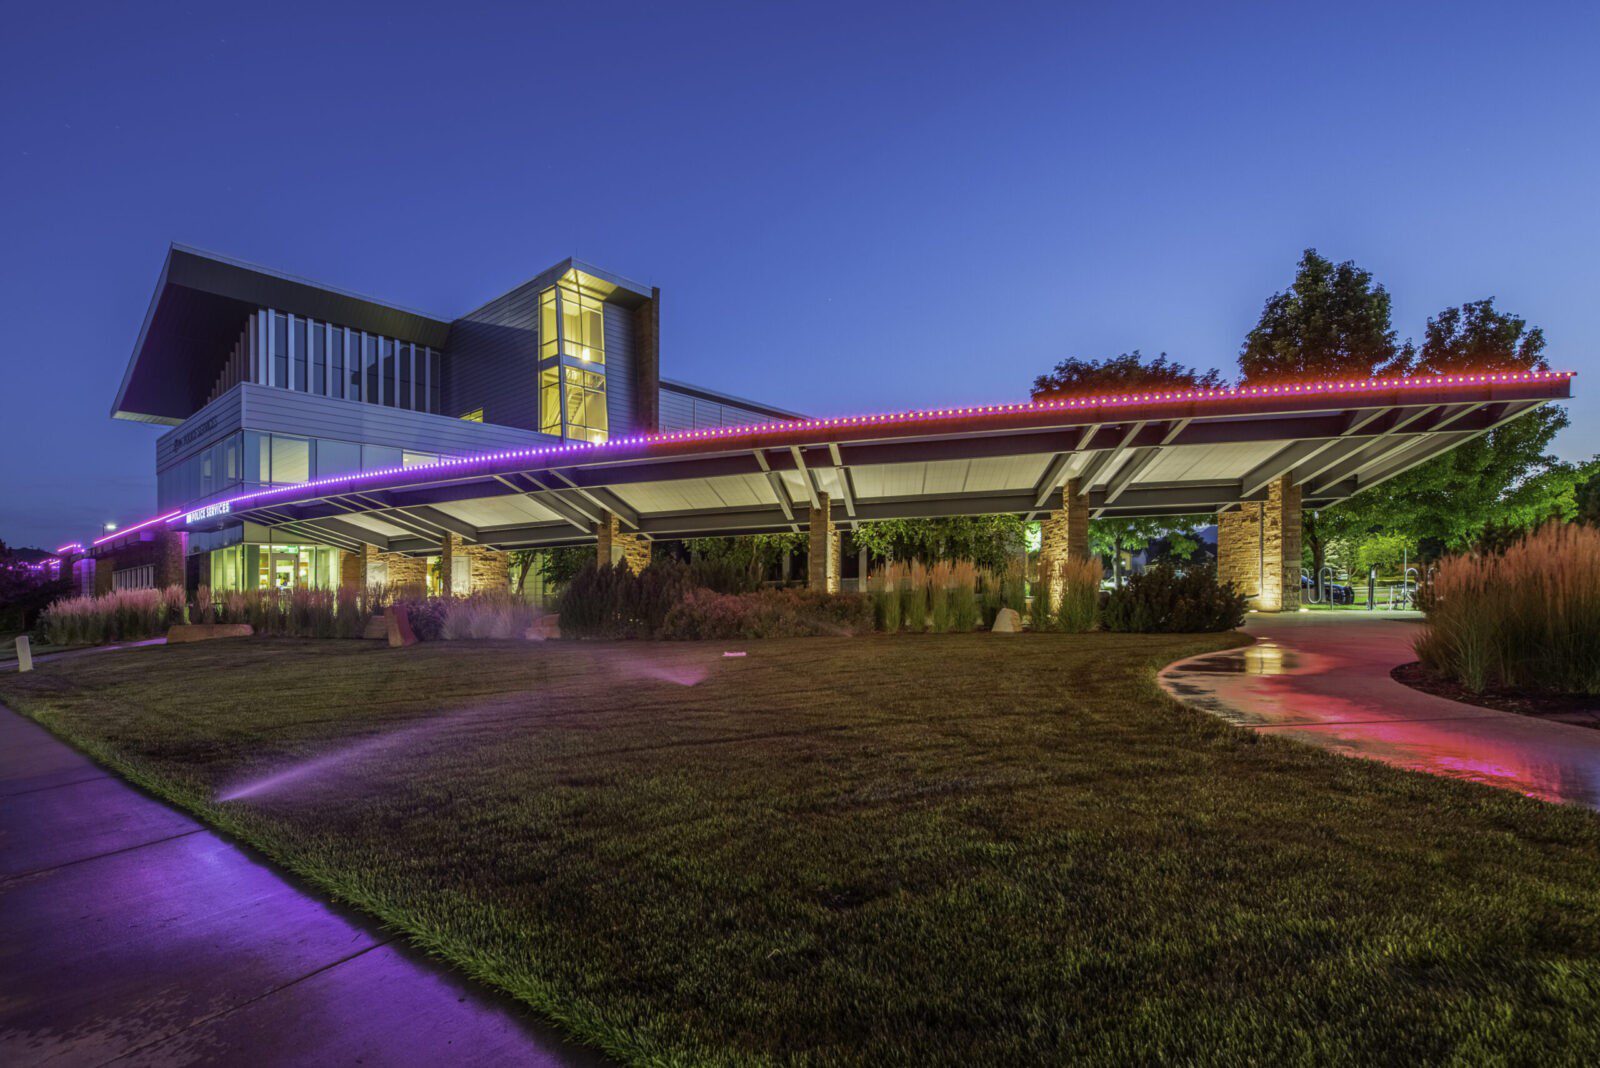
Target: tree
(1128,372)
(1110,538)
(1125,373)
(1504,478)
(987,540)
(1332,322)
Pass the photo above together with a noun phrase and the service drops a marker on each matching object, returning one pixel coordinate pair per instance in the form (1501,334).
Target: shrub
(1075,586)
(786,613)
(1528,618)
(1163,599)
(610,601)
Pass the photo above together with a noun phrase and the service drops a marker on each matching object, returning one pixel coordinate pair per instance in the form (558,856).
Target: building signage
(193,433)
(221,508)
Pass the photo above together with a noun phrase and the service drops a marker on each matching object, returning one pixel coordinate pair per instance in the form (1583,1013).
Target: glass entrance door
(284,570)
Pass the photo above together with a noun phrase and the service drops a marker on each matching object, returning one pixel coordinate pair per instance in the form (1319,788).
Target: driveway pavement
(130,932)
(1324,680)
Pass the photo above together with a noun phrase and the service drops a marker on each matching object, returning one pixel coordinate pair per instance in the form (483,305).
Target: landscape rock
(1007,621)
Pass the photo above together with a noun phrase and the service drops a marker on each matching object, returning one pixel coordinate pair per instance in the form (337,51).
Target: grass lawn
(950,849)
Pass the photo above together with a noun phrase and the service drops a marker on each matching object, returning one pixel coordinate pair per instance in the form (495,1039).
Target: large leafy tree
(1332,322)
(987,540)
(1125,373)
(1505,478)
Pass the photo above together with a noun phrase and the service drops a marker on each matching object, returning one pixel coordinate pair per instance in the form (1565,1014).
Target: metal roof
(1140,454)
(199,308)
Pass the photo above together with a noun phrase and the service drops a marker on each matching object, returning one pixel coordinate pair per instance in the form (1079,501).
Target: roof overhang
(1144,454)
(200,306)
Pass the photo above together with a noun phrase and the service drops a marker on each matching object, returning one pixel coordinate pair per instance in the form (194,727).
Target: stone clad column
(1258,548)
(822,560)
(1063,536)
(448,548)
(353,568)
(613,545)
(1280,539)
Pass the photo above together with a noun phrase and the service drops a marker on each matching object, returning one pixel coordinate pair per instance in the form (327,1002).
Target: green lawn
(958,849)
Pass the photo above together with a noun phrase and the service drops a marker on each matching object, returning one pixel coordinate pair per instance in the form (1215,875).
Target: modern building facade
(318,438)
(268,380)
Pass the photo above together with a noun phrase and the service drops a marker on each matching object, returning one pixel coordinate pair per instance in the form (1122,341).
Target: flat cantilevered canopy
(1145,454)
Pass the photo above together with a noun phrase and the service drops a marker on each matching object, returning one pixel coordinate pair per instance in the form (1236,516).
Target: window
(550,401)
(280,350)
(386,381)
(474,416)
(405,357)
(586,405)
(369,356)
(297,335)
(291,459)
(435,372)
(336,360)
(374,457)
(572,356)
(414,459)
(319,358)
(337,458)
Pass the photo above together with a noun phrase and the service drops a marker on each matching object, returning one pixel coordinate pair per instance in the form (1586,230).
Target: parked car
(1337,592)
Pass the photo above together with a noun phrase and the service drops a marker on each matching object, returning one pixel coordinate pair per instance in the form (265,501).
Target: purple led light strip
(891,418)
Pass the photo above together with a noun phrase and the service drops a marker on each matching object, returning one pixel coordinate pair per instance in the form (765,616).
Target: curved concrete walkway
(1324,680)
(130,932)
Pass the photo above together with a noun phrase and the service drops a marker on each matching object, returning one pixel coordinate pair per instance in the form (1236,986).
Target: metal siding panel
(223,414)
(492,361)
(677,411)
(282,412)
(620,400)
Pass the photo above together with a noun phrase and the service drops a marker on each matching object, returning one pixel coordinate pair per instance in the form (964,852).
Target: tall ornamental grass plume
(1075,586)
(121,615)
(482,615)
(203,605)
(914,598)
(964,611)
(1527,618)
(939,578)
(885,586)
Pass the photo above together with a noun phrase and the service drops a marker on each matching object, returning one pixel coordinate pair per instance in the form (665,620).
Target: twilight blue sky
(847,208)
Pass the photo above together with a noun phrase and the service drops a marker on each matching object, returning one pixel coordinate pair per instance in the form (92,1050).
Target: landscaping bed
(938,849)
(1582,710)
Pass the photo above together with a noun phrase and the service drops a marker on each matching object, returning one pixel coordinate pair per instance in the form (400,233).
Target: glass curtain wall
(572,358)
(275,567)
(308,356)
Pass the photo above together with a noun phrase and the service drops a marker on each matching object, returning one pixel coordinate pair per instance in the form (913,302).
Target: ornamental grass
(121,615)
(1074,588)
(1527,618)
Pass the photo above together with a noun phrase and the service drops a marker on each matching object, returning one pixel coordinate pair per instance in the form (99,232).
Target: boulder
(1007,621)
(544,628)
(399,629)
(203,632)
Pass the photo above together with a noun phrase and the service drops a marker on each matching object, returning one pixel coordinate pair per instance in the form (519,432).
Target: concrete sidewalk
(1323,679)
(129,931)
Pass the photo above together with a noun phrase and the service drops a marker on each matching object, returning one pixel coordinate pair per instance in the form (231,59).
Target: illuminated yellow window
(474,416)
(586,405)
(549,336)
(550,401)
(572,357)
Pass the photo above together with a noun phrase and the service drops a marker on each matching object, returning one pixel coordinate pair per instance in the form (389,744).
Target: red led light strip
(1301,389)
